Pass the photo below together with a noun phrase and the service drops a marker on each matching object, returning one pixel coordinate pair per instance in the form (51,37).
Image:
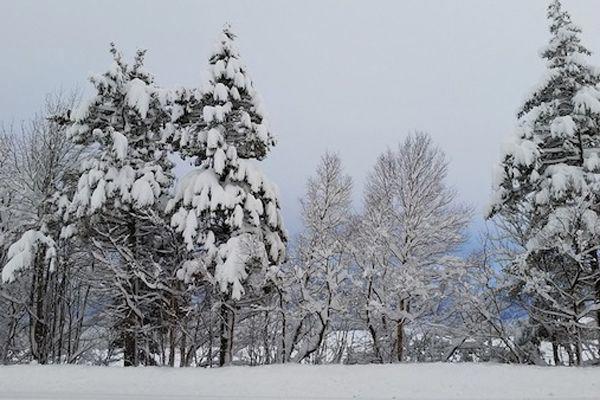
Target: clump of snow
(219,161)
(231,265)
(138,96)
(220,92)
(587,99)
(22,253)
(524,151)
(119,145)
(592,162)
(213,139)
(563,126)
(68,231)
(98,196)
(81,112)
(191,226)
(142,192)
(565,177)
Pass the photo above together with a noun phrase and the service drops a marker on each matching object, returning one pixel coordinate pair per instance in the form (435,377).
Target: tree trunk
(130,345)
(226,345)
(596,269)
(129,342)
(172,345)
(400,339)
(370,326)
(400,332)
(555,354)
(577,345)
(570,353)
(282,351)
(38,321)
(183,350)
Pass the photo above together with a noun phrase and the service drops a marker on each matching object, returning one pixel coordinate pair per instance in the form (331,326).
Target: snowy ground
(423,381)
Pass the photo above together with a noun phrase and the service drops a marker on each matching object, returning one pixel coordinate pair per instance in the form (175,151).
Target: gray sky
(348,76)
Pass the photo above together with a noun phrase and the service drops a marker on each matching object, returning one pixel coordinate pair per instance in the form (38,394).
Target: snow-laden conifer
(225,208)
(550,174)
(127,168)
(117,202)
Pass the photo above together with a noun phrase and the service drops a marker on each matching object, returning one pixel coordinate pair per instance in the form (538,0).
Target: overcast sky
(348,76)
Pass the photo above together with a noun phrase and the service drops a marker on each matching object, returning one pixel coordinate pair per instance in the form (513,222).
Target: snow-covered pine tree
(551,174)
(226,209)
(118,198)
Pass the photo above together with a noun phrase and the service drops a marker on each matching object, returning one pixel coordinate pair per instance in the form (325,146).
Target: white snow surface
(407,381)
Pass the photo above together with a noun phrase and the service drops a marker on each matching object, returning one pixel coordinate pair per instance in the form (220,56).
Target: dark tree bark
(39,329)
(555,354)
(227,326)
(130,345)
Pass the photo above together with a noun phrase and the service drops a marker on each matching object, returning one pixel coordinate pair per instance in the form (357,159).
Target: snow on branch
(23,253)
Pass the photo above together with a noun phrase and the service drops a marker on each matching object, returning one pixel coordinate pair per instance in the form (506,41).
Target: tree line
(108,257)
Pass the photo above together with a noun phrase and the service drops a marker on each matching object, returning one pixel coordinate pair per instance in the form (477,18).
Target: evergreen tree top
(226,206)
(566,60)
(225,47)
(565,39)
(227,103)
(122,123)
(126,101)
(558,130)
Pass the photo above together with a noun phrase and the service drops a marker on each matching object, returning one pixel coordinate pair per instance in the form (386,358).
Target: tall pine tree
(118,198)
(226,209)
(551,176)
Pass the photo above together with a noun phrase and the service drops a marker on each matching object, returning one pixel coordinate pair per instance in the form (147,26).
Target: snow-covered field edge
(408,381)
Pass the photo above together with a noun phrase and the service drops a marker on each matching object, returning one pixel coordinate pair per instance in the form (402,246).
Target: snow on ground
(409,381)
